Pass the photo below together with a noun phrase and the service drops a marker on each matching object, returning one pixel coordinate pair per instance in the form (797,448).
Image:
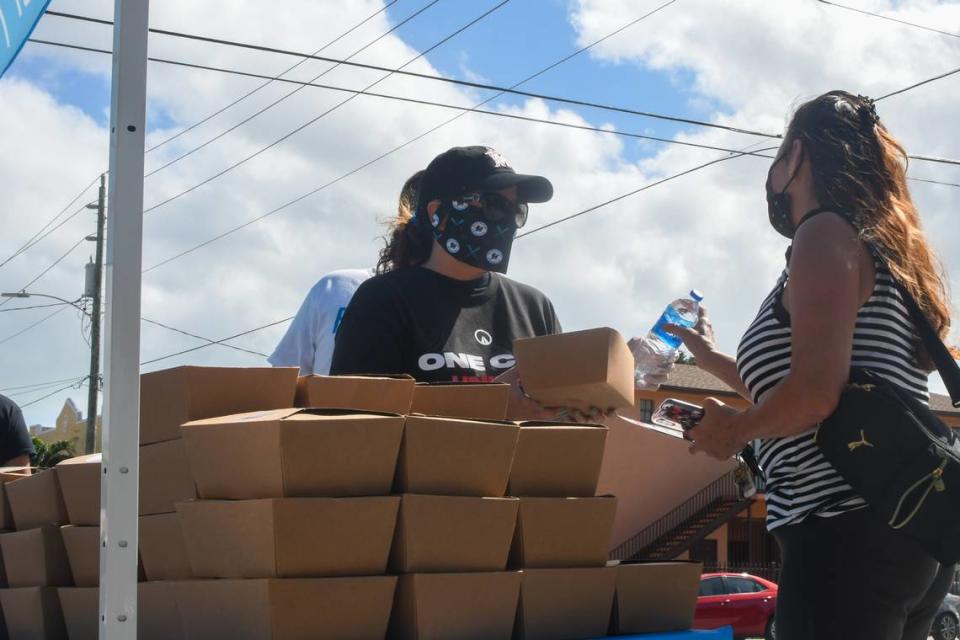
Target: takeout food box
(163,551)
(565,604)
(33,613)
(563,532)
(294,453)
(7,474)
(82,545)
(481,401)
(381,394)
(292,609)
(449,534)
(166,477)
(36,558)
(582,369)
(289,537)
(79,606)
(655,597)
(36,500)
(158,617)
(80,484)
(465,606)
(171,397)
(557,460)
(456,457)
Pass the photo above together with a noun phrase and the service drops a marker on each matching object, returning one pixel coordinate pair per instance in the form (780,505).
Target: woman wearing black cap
(440,309)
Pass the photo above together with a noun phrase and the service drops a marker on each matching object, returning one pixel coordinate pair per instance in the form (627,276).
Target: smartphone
(677,414)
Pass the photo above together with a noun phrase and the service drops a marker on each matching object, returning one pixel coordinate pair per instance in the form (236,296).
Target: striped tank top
(800,481)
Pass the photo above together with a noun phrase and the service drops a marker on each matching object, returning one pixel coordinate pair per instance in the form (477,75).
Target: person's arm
(701,343)
(16,446)
(296,348)
(371,337)
(824,294)
(19,461)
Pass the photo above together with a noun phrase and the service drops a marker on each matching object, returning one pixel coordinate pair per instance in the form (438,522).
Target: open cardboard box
(655,597)
(171,397)
(83,553)
(8,474)
(289,537)
(80,606)
(80,483)
(482,401)
(158,616)
(563,532)
(582,369)
(450,534)
(456,457)
(559,460)
(36,558)
(36,500)
(163,551)
(565,604)
(294,453)
(166,477)
(466,606)
(380,394)
(33,613)
(294,609)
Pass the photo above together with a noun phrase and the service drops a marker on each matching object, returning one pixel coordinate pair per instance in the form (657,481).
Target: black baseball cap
(463,169)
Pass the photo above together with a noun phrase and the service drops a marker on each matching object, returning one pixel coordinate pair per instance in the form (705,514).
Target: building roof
(687,377)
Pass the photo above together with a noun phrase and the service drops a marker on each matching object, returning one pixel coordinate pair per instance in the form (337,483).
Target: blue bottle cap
(696,296)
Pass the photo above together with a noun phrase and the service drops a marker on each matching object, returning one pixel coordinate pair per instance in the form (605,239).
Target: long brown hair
(408,243)
(860,170)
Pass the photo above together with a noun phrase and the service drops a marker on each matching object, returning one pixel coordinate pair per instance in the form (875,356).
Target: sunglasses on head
(496,207)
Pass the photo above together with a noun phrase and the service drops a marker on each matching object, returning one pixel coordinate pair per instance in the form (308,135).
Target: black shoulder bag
(897,454)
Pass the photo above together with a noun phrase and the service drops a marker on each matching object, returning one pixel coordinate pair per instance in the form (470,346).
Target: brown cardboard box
(380,394)
(563,532)
(7,474)
(171,397)
(457,400)
(465,606)
(33,613)
(36,558)
(83,552)
(163,551)
(557,460)
(455,457)
(165,476)
(80,483)
(565,604)
(444,534)
(80,611)
(289,537)
(295,609)
(582,369)
(294,453)
(158,617)
(36,501)
(656,597)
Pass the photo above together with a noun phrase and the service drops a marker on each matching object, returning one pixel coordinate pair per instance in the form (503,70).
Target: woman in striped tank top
(838,190)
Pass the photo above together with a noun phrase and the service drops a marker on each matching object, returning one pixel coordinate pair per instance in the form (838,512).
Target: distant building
(71,426)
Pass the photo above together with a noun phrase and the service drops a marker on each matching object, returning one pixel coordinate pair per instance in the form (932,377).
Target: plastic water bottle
(658,350)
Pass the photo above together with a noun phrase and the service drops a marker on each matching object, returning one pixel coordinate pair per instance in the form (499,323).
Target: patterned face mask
(478,229)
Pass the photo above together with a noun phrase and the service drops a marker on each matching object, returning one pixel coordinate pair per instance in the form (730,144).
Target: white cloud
(617,266)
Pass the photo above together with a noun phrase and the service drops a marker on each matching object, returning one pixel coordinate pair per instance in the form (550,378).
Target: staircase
(686,525)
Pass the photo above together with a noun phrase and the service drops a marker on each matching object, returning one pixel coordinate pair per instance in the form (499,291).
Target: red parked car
(745,602)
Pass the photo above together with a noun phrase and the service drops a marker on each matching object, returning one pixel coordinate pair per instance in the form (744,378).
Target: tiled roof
(691,378)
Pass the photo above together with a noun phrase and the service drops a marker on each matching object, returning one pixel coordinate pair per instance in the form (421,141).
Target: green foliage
(686,358)
(48,455)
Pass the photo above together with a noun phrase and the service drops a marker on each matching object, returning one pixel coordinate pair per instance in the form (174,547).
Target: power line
(325,113)
(36,306)
(889,18)
(35,324)
(75,385)
(273,104)
(919,84)
(212,342)
(304,196)
(49,383)
(48,269)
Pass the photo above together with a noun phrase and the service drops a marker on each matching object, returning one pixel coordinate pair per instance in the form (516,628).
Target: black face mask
(478,232)
(778,206)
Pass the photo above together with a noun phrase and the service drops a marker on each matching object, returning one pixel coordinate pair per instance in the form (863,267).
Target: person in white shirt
(310,338)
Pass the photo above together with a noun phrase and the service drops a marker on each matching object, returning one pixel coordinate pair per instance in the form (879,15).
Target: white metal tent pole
(121,398)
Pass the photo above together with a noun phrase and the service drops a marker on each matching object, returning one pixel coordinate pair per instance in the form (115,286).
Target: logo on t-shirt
(483,337)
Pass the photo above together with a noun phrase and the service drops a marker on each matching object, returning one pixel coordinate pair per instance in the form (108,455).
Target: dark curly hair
(409,242)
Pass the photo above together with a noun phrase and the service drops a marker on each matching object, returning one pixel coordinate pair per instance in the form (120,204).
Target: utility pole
(94,382)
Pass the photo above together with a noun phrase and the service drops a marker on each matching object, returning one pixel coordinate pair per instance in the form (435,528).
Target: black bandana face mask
(466,231)
(778,205)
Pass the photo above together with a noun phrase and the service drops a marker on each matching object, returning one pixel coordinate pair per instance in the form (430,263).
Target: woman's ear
(432,207)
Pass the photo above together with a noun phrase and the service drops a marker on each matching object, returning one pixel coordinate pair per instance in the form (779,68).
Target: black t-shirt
(437,329)
(14,438)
